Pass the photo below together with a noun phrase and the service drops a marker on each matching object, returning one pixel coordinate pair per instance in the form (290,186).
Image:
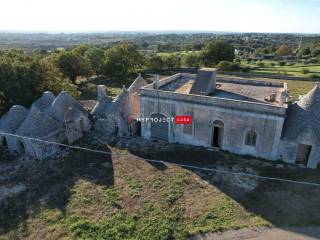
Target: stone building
(301,133)
(54,119)
(241,116)
(118,116)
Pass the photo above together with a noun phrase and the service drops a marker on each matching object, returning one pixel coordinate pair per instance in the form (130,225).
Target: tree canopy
(72,64)
(23,79)
(217,51)
(122,60)
(284,50)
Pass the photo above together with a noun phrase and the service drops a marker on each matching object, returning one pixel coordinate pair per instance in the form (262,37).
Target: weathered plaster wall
(236,124)
(288,149)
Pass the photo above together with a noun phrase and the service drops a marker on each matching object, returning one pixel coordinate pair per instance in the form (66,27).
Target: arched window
(251,138)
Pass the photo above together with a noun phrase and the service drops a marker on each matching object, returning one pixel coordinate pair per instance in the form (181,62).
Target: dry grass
(91,196)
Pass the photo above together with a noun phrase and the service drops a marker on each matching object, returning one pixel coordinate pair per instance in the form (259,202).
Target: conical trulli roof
(44,101)
(62,105)
(304,117)
(38,124)
(311,101)
(12,120)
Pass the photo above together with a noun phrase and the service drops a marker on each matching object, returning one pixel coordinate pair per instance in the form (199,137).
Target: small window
(251,138)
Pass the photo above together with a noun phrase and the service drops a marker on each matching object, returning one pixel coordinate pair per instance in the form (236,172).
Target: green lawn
(290,70)
(296,88)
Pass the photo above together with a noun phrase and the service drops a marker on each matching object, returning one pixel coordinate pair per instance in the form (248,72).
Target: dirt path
(302,233)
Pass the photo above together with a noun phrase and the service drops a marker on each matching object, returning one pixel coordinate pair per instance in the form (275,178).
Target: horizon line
(148,31)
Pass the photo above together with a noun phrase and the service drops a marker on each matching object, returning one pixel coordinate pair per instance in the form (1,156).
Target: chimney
(156,81)
(101,92)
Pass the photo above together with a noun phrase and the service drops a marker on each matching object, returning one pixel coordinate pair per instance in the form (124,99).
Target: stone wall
(267,121)
(289,149)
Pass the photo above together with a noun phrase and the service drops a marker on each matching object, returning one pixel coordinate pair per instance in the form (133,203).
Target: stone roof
(38,124)
(304,117)
(62,105)
(118,104)
(205,82)
(45,101)
(311,101)
(247,92)
(12,120)
(138,83)
(101,107)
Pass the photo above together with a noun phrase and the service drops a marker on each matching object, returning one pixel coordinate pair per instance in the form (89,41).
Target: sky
(293,16)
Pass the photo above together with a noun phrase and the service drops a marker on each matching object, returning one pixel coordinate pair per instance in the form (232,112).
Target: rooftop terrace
(230,88)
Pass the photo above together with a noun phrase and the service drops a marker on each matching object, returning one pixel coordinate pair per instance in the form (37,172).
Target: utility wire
(170,163)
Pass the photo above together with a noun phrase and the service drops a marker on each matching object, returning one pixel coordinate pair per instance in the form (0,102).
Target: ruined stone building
(241,116)
(118,116)
(250,117)
(56,119)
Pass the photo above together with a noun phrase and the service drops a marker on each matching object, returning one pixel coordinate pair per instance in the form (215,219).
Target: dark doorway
(217,135)
(21,148)
(3,142)
(138,129)
(303,154)
(159,127)
(81,125)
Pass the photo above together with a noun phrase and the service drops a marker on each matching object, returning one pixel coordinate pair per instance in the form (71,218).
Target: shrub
(228,66)
(282,63)
(305,70)
(313,75)
(261,64)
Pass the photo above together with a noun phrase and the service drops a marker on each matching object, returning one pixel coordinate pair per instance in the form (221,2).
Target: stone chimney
(101,92)
(156,81)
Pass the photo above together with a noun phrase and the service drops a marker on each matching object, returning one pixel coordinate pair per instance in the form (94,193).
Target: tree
(217,51)
(315,52)
(228,66)
(304,51)
(284,50)
(155,63)
(171,61)
(72,65)
(23,79)
(122,60)
(191,60)
(95,56)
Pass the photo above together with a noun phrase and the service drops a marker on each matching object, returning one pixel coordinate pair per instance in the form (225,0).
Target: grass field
(296,87)
(94,196)
(295,70)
